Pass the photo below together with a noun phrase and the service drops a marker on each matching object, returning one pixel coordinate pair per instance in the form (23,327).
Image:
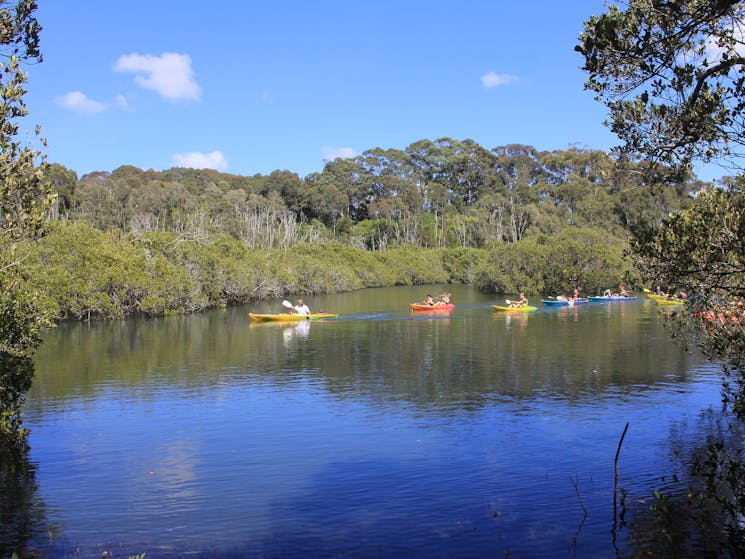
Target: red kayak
(435,307)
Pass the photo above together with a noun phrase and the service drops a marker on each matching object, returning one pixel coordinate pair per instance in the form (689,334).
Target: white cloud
(329,153)
(79,102)
(169,74)
(121,102)
(196,160)
(491,79)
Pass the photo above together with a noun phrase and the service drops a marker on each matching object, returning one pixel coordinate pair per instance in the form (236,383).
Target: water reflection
(23,522)
(565,352)
(515,320)
(431,313)
(299,330)
(383,432)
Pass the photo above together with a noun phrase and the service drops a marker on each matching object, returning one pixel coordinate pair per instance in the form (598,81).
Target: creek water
(383,433)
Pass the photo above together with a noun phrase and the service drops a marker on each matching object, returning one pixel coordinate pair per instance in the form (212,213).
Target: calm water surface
(384,433)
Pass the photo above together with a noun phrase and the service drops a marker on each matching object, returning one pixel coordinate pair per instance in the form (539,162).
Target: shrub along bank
(83,272)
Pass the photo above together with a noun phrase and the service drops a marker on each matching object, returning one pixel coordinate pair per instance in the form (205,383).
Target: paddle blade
(647,290)
(508,301)
(287,304)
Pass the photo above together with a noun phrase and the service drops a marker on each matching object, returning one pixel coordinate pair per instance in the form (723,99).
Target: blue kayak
(564,303)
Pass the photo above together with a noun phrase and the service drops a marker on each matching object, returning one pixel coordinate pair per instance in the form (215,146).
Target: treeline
(507,219)
(444,193)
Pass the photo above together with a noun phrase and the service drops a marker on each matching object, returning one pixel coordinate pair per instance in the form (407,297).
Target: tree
(670,73)
(64,182)
(24,200)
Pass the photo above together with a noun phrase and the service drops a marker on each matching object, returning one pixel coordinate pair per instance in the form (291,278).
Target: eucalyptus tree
(347,180)
(65,182)
(468,170)
(425,161)
(521,172)
(288,185)
(103,201)
(576,174)
(326,200)
(24,200)
(518,168)
(464,168)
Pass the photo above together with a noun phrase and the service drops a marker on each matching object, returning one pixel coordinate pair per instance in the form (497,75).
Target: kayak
(514,309)
(652,295)
(287,317)
(669,302)
(436,307)
(600,299)
(565,303)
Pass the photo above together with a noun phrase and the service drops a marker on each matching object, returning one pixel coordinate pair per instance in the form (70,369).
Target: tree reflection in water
(22,516)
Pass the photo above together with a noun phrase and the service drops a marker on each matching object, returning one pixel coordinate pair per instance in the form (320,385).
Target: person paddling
(522,302)
(301,308)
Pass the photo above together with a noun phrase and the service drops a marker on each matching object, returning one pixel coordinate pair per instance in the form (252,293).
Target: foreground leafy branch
(24,200)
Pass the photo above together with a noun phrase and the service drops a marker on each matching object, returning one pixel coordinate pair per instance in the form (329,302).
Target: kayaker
(522,302)
(445,298)
(301,308)
(429,300)
(575,294)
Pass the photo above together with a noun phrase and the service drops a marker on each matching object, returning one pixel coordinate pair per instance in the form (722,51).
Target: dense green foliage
(670,72)
(87,273)
(702,251)
(506,220)
(24,199)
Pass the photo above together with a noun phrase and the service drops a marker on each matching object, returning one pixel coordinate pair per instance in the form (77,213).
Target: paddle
(287,304)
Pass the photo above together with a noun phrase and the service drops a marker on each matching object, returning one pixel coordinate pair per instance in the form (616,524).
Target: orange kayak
(435,307)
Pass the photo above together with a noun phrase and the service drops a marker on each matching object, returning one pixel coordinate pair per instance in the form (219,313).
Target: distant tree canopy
(442,193)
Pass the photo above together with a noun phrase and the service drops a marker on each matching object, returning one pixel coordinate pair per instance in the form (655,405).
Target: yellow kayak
(670,302)
(514,309)
(654,296)
(288,317)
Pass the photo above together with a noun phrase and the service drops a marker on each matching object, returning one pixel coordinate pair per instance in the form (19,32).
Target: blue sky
(249,87)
